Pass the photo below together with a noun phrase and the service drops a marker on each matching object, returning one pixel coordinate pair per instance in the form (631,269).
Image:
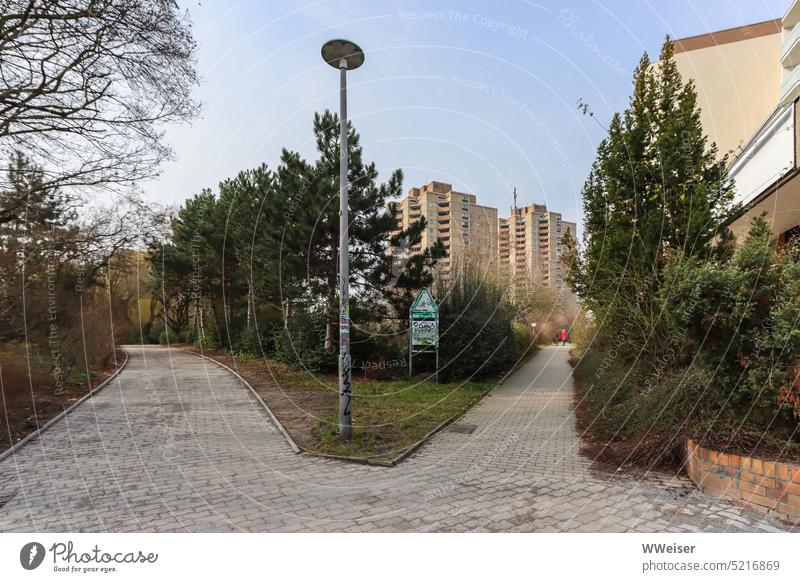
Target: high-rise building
(467,230)
(473,233)
(530,245)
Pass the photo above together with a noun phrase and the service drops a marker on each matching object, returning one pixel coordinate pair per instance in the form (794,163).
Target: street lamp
(343,55)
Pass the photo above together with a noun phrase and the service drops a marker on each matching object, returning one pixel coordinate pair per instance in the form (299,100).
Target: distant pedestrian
(564,335)
(555,338)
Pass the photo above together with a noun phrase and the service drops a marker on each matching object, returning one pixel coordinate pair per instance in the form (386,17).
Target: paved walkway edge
(406,453)
(272,416)
(441,426)
(361,460)
(35,434)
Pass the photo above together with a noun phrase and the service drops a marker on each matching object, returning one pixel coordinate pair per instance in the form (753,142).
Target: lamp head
(336,50)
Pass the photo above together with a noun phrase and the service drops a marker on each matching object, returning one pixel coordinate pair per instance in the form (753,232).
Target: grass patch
(388,416)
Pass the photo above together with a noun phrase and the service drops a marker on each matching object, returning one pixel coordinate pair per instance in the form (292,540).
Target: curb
(364,460)
(355,460)
(272,416)
(35,434)
(413,448)
(402,456)
(407,453)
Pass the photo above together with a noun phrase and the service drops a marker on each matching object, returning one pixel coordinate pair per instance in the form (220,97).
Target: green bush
(646,421)
(739,320)
(720,365)
(523,339)
(255,342)
(301,344)
(192,335)
(476,337)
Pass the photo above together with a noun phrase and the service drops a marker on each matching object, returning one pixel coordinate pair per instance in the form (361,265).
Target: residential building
(467,230)
(748,82)
(530,245)
(473,233)
(737,74)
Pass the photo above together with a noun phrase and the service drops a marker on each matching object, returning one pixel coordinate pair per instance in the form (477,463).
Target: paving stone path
(176,443)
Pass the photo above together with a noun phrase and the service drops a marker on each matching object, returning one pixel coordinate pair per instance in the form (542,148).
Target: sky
(481,95)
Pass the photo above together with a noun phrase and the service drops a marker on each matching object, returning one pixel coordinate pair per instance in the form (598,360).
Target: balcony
(790,88)
(769,155)
(792,15)
(790,49)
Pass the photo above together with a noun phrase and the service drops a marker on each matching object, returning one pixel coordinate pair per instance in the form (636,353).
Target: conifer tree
(656,187)
(269,241)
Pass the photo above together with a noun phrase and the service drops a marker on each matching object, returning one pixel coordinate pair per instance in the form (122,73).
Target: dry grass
(31,396)
(388,416)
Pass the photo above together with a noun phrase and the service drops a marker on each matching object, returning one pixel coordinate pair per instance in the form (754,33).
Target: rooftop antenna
(516,210)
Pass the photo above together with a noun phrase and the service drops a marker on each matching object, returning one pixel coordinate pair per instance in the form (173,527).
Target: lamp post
(343,55)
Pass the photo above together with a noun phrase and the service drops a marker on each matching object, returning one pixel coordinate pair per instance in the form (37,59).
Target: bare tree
(87,86)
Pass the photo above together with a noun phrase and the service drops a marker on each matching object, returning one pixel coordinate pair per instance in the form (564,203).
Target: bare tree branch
(87,86)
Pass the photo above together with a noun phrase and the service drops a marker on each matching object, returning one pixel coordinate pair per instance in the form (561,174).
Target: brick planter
(766,486)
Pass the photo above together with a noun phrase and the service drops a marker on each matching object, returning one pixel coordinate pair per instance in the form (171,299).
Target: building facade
(474,234)
(530,245)
(737,74)
(468,231)
(748,82)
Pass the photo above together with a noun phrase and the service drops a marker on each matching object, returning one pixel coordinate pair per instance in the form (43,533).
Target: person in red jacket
(564,336)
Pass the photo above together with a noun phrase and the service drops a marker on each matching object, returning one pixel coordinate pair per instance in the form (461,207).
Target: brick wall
(767,486)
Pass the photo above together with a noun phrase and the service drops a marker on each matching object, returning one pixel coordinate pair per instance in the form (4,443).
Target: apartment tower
(473,233)
(467,230)
(530,245)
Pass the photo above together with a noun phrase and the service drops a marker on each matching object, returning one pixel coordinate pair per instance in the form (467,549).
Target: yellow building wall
(738,86)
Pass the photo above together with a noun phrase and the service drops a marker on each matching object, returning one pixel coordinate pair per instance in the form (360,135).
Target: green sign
(423,335)
(424,307)
(424,321)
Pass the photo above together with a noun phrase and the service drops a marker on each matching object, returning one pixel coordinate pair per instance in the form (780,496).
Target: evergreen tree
(37,232)
(656,186)
(268,244)
(310,194)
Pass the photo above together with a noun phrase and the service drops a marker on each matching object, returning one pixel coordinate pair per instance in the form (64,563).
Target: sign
(424,307)
(423,333)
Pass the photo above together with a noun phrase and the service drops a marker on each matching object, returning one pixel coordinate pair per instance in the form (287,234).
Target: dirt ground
(29,398)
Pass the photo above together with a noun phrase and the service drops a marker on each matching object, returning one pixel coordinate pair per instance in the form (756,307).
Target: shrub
(721,364)
(739,318)
(523,339)
(637,425)
(256,342)
(301,344)
(475,328)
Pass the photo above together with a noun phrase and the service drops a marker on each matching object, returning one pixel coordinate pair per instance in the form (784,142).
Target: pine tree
(656,187)
(315,226)
(268,244)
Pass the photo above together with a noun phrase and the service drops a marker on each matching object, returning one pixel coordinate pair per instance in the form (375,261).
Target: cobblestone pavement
(175,443)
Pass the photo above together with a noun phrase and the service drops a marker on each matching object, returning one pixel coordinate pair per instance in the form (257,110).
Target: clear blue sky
(479,94)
